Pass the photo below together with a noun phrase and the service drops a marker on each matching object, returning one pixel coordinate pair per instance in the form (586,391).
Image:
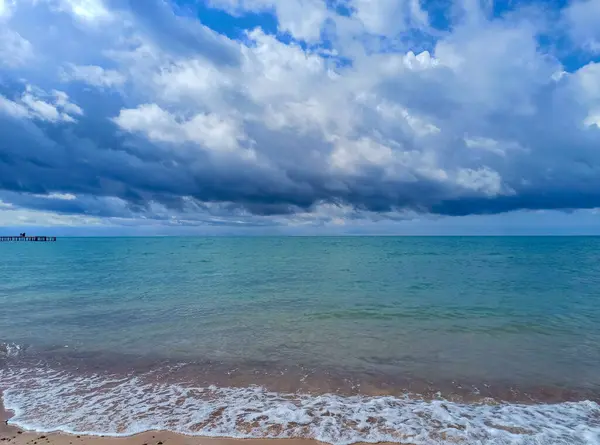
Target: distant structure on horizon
(23,237)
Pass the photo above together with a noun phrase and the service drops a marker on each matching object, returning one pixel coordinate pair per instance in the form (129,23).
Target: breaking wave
(44,399)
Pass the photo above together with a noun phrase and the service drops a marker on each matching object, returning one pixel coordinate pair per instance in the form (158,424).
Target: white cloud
(421,61)
(6,8)
(35,103)
(303,19)
(593,119)
(500,148)
(62,102)
(587,81)
(396,114)
(482,180)
(189,80)
(389,17)
(12,108)
(306,19)
(93,75)
(86,10)
(582,22)
(43,110)
(11,216)
(584,86)
(61,196)
(209,131)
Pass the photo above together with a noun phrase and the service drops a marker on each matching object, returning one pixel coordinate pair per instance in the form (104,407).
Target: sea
(411,340)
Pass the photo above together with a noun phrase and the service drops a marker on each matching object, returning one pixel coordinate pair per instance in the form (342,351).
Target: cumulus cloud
(208,130)
(345,109)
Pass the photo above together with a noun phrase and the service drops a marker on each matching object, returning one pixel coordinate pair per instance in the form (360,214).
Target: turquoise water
(499,313)
(520,308)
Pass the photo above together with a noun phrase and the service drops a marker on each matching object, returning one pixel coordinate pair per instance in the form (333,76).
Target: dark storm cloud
(38,158)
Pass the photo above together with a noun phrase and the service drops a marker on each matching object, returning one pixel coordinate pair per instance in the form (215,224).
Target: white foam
(10,349)
(46,400)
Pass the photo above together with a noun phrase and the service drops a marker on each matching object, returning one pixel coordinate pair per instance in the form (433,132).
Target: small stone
(159,443)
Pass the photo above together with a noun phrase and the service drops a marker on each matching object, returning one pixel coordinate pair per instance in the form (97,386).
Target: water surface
(516,319)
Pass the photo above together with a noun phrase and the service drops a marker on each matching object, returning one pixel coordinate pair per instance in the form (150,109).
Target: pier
(28,238)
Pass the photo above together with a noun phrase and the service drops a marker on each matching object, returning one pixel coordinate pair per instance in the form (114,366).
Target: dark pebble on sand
(159,443)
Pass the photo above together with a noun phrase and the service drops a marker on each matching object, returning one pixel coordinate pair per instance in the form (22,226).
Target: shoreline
(287,379)
(72,406)
(385,421)
(10,434)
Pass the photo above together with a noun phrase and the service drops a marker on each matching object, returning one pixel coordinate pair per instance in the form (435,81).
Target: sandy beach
(9,434)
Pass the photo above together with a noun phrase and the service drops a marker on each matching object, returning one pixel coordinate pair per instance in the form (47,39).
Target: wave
(46,400)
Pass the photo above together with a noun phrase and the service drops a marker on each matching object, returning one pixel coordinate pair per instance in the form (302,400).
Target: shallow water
(459,319)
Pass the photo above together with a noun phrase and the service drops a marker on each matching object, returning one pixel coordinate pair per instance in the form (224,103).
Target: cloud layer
(278,112)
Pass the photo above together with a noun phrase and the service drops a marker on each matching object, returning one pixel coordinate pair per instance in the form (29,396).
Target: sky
(302,117)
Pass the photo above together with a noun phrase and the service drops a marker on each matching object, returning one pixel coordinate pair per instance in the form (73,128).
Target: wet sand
(11,435)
